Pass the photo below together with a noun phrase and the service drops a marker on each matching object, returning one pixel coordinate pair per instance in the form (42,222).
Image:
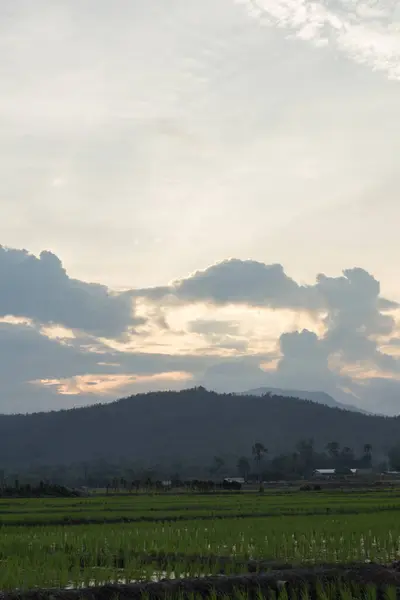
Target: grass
(168,507)
(322,528)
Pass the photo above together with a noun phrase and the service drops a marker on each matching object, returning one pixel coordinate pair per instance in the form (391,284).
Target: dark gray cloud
(40,289)
(304,364)
(237,281)
(254,283)
(354,319)
(26,355)
(354,312)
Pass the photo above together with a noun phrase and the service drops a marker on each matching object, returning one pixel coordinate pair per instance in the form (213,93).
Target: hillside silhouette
(320,397)
(190,425)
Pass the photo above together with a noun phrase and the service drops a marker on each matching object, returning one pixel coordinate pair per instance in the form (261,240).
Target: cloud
(305,364)
(220,334)
(354,321)
(40,289)
(214,327)
(238,281)
(253,283)
(353,324)
(56,341)
(39,373)
(110,385)
(354,316)
(366,32)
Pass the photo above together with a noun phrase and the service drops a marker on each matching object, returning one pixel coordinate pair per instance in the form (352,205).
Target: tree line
(302,461)
(257,465)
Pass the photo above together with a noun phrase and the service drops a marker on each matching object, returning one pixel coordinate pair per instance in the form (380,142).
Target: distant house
(342,472)
(392,474)
(324,473)
(234,480)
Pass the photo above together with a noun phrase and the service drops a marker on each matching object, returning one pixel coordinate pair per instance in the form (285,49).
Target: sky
(199,193)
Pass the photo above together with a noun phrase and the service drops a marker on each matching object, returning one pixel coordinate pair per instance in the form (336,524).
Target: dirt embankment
(358,577)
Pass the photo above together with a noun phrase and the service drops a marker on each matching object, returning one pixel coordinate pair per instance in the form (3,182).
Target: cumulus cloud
(38,351)
(39,288)
(254,283)
(305,364)
(238,281)
(352,311)
(366,31)
(354,321)
(354,316)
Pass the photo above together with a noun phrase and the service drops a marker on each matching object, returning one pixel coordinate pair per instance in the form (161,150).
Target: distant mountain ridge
(319,397)
(192,425)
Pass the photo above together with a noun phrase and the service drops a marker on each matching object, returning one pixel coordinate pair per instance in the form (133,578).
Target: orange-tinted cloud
(109,384)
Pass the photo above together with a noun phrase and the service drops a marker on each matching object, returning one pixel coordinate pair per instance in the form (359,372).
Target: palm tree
(258,451)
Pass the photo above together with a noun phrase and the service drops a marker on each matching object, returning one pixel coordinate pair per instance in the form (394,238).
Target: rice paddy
(137,538)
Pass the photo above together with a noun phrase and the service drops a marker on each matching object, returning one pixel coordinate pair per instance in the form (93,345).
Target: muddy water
(143,577)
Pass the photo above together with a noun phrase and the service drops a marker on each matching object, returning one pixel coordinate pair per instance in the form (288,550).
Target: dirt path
(269,584)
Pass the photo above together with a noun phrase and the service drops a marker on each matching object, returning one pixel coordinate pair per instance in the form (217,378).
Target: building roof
(325,471)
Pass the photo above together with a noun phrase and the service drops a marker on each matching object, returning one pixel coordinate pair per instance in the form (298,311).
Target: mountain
(320,397)
(191,425)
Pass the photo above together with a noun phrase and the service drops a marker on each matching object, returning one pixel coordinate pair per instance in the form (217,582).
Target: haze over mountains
(319,397)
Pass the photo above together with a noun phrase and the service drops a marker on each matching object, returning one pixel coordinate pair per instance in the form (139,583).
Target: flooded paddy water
(166,553)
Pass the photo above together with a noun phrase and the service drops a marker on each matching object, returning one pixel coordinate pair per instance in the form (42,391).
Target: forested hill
(188,425)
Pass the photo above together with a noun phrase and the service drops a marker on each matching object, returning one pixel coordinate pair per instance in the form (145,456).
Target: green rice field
(78,542)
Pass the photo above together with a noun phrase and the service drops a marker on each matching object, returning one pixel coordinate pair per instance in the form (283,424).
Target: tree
(243,467)
(258,452)
(333,449)
(367,459)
